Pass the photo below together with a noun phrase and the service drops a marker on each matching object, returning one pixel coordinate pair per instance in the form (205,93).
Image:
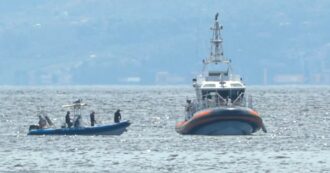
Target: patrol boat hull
(112,129)
(222,121)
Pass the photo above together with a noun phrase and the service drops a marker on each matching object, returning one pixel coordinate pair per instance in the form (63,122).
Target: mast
(216,55)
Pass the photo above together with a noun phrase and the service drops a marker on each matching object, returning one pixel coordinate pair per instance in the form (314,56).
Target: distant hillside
(161,42)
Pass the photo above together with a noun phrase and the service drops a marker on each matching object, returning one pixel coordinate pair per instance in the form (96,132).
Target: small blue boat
(108,129)
(111,129)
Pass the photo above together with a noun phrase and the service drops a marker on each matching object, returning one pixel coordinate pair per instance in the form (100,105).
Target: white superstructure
(216,87)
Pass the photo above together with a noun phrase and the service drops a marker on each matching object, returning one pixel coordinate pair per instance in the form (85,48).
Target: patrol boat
(220,107)
(107,129)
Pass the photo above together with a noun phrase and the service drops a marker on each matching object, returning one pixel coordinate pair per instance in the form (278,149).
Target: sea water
(297,120)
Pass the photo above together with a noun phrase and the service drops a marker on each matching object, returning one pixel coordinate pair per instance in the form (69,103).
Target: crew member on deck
(42,122)
(188,109)
(68,119)
(92,116)
(117,116)
(77,122)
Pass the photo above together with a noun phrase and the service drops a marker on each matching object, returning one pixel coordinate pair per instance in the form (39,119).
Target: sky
(153,42)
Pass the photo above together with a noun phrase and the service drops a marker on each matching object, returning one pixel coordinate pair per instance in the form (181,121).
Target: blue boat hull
(113,129)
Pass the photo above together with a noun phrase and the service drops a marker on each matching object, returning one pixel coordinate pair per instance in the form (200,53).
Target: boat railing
(239,100)
(215,100)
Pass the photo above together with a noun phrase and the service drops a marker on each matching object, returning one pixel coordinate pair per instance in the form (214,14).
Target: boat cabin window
(209,85)
(227,93)
(236,85)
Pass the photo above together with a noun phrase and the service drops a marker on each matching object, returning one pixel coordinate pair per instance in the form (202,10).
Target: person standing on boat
(42,122)
(117,116)
(77,122)
(68,119)
(188,109)
(92,116)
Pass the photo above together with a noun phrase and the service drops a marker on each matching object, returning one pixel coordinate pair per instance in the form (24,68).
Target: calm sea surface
(297,119)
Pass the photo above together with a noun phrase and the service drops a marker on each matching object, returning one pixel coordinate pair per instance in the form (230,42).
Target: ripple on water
(297,120)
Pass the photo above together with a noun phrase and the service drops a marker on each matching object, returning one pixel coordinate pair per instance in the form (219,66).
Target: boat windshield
(233,94)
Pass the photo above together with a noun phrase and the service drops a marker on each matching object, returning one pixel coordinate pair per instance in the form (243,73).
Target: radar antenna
(216,55)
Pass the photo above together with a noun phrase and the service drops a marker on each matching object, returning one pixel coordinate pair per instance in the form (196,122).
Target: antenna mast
(216,55)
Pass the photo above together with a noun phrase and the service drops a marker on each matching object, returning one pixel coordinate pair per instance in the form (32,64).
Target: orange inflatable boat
(222,121)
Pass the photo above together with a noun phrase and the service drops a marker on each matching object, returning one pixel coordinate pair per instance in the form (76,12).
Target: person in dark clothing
(92,116)
(68,119)
(77,122)
(117,116)
(42,122)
